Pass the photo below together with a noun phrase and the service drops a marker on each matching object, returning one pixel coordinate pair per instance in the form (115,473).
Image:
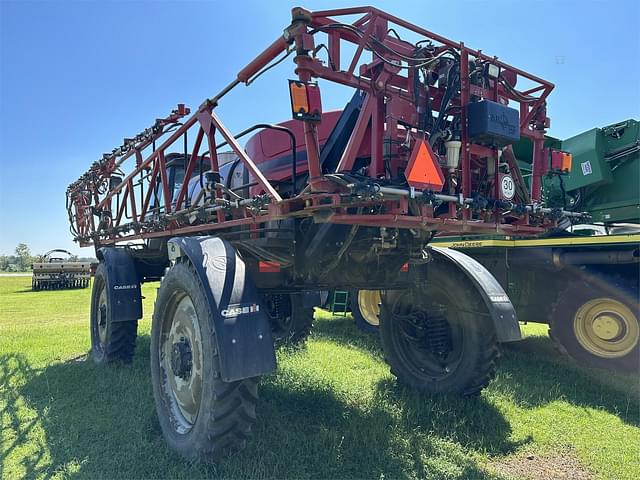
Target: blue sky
(78,76)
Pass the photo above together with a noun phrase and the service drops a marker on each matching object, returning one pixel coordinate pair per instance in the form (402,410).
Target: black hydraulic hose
(453,80)
(232,170)
(345,245)
(279,128)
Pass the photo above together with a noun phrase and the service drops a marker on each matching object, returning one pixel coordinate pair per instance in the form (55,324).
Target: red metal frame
(389,99)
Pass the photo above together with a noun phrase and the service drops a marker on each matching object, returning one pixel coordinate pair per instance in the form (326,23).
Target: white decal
(499,298)
(586,168)
(236,310)
(466,244)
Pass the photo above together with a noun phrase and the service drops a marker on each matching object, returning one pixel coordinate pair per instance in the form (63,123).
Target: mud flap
(243,333)
(123,285)
(496,300)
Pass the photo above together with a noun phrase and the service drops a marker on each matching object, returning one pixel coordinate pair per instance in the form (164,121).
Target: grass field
(331,411)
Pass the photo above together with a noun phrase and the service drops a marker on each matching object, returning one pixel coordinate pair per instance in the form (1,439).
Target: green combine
(582,280)
(605,175)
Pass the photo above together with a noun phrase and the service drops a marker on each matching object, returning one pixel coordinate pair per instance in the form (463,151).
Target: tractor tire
(597,324)
(201,415)
(290,320)
(439,340)
(365,308)
(110,340)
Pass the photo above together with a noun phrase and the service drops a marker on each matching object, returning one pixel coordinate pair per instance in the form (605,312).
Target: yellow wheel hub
(369,305)
(606,328)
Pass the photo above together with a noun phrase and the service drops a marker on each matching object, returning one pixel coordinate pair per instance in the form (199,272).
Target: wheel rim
(606,328)
(369,305)
(415,348)
(99,322)
(102,315)
(181,361)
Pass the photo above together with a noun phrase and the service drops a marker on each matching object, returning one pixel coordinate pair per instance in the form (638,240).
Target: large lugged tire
(439,340)
(365,308)
(110,340)
(201,415)
(290,320)
(597,324)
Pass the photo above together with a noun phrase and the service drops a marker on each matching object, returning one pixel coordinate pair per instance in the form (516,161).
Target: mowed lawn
(331,411)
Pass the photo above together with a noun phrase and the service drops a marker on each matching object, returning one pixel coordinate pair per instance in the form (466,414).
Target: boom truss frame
(104,211)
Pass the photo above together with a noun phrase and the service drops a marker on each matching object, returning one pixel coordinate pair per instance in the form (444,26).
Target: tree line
(22,259)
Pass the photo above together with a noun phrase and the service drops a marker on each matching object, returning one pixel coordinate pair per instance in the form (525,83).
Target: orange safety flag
(423,170)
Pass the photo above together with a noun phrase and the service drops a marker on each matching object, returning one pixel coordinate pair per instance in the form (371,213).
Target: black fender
(123,284)
(243,333)
(495,298)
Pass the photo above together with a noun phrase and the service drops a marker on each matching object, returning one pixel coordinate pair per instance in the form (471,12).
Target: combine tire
(290,321)
(200,414)
(439,340)
(110,340)
(365,308)
(597,325)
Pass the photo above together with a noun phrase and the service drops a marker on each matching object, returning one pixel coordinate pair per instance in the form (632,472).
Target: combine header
(343,200)
(59,273)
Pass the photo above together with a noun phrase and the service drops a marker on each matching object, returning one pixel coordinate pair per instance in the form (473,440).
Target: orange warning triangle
(423,170)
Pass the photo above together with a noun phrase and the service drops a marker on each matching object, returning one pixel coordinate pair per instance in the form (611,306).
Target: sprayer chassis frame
(324,200)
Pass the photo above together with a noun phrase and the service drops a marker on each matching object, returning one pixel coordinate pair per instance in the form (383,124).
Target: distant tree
(24,256)
(8,263)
